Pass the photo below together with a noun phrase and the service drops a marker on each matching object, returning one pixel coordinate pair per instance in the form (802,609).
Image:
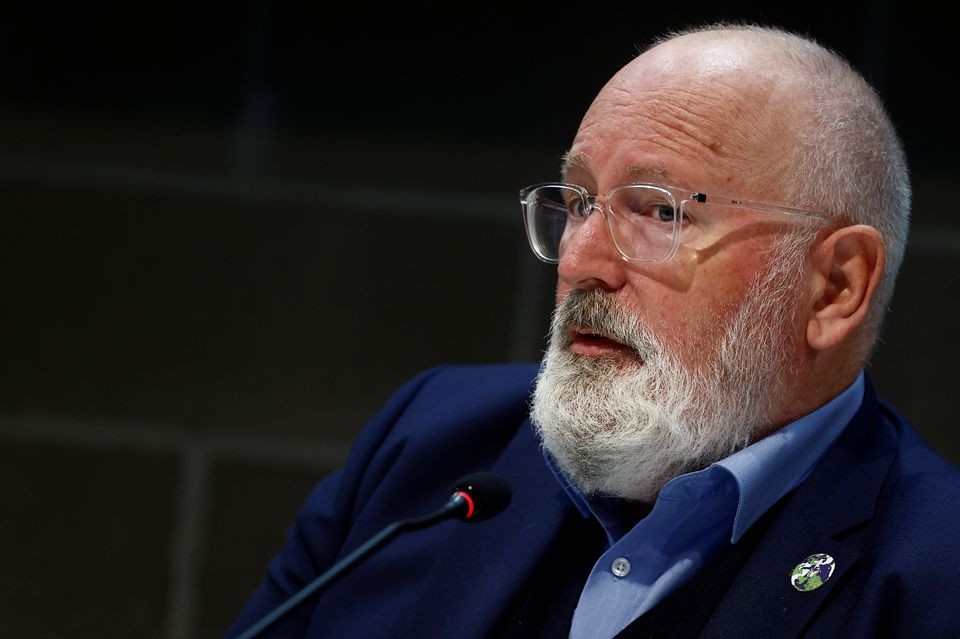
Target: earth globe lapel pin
(812,572)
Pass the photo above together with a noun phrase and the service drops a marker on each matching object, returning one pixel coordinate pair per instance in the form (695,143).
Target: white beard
(623,429)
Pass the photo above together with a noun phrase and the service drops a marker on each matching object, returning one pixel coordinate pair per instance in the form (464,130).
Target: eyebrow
(649,173)
(572,160)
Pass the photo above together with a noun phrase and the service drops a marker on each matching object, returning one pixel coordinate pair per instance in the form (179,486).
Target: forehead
(684,117)
(576,168)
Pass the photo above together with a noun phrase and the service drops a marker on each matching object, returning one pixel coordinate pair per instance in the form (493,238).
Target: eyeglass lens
(643,220)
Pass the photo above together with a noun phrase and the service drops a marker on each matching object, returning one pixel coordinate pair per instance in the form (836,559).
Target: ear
(847,266)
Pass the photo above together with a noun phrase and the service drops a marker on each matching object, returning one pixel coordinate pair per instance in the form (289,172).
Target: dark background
(230,232)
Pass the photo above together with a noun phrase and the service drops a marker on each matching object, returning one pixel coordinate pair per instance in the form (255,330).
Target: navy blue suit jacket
(884,505)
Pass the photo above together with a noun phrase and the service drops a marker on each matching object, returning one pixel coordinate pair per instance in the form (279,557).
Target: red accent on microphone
(469,503)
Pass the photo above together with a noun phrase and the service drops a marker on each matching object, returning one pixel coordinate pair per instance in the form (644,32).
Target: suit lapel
(840,493)
(481,570)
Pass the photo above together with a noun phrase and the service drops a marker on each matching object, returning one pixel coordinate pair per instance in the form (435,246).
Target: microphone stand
(456,503)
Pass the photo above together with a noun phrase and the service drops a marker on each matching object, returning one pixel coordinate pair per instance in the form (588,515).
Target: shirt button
(620,567)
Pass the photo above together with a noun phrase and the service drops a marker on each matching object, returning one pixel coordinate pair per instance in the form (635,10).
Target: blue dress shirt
(695,515)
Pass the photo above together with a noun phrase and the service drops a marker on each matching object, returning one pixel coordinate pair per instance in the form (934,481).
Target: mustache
(599,312)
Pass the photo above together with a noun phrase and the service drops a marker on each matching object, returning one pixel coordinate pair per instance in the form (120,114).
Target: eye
(663,212)
(576,206)
(640,204)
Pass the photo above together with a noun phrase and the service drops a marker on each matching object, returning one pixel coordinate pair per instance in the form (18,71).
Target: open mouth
(586,341)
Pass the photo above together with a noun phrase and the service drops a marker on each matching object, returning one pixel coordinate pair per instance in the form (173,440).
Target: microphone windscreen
(490,493)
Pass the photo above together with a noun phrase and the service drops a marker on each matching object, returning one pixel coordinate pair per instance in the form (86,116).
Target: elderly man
(702,455)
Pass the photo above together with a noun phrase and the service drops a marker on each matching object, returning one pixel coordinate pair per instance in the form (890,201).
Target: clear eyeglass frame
(667,239)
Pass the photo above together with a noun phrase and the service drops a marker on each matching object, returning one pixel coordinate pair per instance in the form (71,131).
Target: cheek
(689,326)
(664,311)
(684,292)
(695,316)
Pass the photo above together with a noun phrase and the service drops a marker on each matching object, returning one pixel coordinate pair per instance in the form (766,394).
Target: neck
(811,385)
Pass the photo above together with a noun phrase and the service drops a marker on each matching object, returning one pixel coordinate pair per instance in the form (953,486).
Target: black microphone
(484,495)
(476,497)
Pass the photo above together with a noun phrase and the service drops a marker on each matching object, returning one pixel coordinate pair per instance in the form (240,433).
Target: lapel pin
(812,572)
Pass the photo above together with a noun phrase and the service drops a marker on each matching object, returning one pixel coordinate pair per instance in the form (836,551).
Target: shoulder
(470,392)
(915,533)
(448,397)
(443,424)
(453,409)
(447,390)
(921,481)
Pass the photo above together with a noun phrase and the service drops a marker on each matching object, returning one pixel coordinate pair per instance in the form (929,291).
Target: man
(730,221)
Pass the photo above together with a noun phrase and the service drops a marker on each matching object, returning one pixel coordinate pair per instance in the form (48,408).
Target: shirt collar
(770,468)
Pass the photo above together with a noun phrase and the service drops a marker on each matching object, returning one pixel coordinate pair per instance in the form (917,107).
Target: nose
(591,260)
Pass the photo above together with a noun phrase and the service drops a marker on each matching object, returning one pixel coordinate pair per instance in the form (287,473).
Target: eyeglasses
(647,222)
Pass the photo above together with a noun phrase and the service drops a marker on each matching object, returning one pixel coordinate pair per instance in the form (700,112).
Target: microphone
(475,497)
(485,495)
